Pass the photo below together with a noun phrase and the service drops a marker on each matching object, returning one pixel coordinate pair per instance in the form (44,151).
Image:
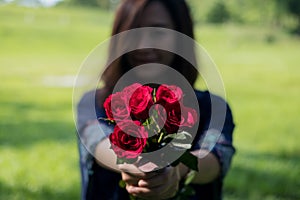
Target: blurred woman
(100,174)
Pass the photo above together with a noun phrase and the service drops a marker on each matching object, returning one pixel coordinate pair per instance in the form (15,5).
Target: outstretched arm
(165,183)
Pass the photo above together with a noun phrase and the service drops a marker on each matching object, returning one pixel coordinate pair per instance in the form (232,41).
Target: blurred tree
(105,4)
(293,7)
(218,13)
(89,2)
(279,11)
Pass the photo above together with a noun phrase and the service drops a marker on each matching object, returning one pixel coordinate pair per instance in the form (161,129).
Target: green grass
(38,147)
(39,158)
(262,81)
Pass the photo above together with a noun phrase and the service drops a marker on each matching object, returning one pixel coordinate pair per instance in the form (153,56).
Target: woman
(100,177)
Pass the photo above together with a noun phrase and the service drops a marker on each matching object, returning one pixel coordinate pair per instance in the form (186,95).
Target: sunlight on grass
(43,170)
(262,86)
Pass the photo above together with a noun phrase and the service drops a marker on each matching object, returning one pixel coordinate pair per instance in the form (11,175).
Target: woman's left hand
(161,184)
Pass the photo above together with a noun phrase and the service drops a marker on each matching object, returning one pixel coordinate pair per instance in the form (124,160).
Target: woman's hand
(161,184)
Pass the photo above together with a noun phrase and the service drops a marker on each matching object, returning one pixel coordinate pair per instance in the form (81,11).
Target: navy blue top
(215,114)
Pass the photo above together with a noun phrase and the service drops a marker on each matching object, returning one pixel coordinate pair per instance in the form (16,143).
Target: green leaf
(172,136)
(183,135)
(189,160)
(120,161)
(131,197)
(185,193)
(190,176)
(124,160)
(179,136)
(188,191)
(175,163)
(181,145)
(122,184)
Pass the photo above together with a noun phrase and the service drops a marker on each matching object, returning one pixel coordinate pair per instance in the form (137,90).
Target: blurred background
(254,43)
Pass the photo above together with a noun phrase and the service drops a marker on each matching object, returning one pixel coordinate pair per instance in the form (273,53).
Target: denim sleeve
(90,130)
(90,133)
(220,147)
(85,111)
(216,134)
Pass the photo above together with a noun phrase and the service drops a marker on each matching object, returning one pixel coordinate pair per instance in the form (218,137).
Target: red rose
(179,117)
(140,102)
(129,141)
(129,90)
(116,108)
(173,118)
(189,117)
(168,94)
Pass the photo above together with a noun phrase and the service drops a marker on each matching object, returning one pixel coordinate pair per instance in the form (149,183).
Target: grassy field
(39,48)
(262,84)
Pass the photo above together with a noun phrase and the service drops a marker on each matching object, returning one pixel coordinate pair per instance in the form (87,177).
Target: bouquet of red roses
(148,119)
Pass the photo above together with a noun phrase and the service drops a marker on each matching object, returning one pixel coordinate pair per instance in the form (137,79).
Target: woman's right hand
(131,174)
(157,184)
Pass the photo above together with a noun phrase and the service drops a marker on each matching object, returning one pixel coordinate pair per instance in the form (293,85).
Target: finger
(129,179)
(153,184)
(150,175)
(158,192)
(149,183)
(165,177)
(141,192)
(165,192)
(133,179)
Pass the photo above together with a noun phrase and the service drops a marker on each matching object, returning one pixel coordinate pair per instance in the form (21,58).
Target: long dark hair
(126,18)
